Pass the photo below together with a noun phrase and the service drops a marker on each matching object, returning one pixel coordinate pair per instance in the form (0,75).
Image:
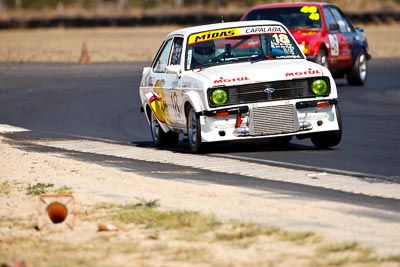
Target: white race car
(238,81)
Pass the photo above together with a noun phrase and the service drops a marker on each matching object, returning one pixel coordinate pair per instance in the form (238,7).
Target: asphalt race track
(101,101)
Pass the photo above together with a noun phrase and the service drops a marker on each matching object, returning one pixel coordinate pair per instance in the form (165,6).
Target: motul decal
(303,73)
(240,79)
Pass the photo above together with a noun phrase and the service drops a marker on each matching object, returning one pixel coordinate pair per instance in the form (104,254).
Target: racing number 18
(280,38)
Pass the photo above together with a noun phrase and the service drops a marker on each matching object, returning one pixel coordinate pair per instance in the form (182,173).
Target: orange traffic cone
(56,212)
(84,59)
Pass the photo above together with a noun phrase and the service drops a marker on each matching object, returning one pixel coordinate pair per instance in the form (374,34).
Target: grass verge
(145,234)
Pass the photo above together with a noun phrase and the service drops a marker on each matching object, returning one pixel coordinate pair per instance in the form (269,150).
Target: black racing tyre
(161,138)
(322,58)
(357,75)
(194,131)
(329,139)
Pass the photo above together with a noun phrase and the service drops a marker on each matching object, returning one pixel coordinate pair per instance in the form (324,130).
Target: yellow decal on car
(158,104)
(212,35)
(314,16)
(309,9)
(312,10)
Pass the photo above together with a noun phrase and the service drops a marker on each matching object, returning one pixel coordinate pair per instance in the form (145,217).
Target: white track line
(5,128)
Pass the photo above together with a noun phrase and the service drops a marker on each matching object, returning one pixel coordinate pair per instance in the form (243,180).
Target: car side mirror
(146,70)
(334,27)
(174,69)
(360,29)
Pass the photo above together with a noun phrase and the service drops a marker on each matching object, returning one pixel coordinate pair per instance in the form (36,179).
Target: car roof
(210,27)
(275,5)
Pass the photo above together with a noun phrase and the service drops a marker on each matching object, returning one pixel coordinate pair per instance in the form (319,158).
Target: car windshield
(234,45)
(297,17)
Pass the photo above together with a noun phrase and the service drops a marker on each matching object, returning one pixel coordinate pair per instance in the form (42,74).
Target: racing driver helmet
(204,51)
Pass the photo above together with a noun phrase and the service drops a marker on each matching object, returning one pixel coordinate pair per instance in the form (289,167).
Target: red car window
(298,17)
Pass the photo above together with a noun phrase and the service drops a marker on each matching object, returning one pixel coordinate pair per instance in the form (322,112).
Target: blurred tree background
(10,5)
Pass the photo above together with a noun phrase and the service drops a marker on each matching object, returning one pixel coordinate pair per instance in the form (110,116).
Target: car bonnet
(260,72)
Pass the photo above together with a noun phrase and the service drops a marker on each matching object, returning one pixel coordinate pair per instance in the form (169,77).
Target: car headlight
(319,87)
(219,96)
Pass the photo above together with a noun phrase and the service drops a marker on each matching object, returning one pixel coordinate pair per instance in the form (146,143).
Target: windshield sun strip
(252,38)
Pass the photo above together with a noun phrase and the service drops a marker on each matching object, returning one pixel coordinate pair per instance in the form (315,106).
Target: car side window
(160,64)
(341,20)
(329,18)
(177,51)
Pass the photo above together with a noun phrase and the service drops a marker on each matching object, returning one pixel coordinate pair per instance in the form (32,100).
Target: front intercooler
(271,120)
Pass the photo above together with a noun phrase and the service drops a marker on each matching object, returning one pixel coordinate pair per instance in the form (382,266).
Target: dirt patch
(159,225)
(131,44)
(65,45)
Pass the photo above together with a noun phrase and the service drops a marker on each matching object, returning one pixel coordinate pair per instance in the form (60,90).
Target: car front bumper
(269,120)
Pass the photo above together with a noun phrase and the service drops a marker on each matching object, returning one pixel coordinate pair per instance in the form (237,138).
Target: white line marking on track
(5,128)
(328,180)
(318,169)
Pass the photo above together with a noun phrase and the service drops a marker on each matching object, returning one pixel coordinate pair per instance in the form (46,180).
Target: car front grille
(272,120)
(267,91)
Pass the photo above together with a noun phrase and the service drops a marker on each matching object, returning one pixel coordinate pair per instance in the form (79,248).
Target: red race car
(326,35)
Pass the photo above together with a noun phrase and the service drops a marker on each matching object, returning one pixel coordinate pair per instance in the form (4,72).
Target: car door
(165,84)
(340,51)
(348,31)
